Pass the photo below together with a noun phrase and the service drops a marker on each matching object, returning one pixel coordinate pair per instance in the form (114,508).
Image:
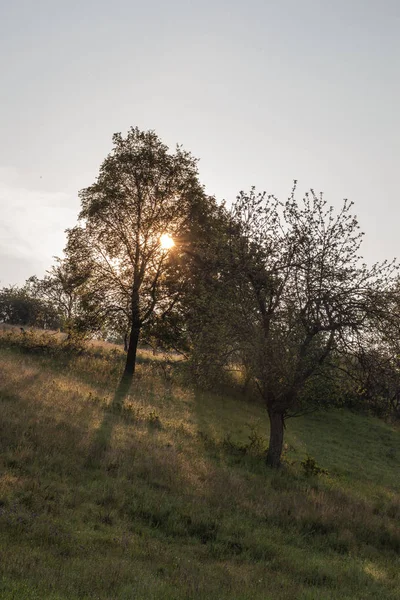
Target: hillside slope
(171,499)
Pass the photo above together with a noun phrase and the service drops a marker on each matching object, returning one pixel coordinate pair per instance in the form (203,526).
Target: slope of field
(170,499)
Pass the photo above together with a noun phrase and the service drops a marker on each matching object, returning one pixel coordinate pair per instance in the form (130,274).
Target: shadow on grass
(103,434)
(226,441)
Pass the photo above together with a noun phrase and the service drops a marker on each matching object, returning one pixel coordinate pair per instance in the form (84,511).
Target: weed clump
(311,468)
(154,420)
(256,446)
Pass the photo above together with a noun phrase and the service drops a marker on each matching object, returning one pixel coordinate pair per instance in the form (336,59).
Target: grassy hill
(171,499)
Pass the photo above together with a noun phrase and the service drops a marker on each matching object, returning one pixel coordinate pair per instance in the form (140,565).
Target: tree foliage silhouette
(304,295)
(142,192)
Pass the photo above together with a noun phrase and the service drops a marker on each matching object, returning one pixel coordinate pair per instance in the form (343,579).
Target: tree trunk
(275,439)
(130,364)
(129,371)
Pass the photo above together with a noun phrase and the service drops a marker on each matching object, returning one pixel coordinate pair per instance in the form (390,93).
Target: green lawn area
(162,502)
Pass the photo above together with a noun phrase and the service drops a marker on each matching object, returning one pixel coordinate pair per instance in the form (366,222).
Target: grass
(170,499)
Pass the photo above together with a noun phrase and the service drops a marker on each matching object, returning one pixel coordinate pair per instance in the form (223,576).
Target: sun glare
(166,241)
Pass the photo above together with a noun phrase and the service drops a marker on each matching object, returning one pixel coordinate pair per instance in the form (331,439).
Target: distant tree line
(275,289)
(20,306)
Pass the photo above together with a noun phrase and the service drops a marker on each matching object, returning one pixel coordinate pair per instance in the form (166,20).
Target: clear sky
(261,91)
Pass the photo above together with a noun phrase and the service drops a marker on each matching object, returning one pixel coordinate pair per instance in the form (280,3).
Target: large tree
(140,204)
(303,295)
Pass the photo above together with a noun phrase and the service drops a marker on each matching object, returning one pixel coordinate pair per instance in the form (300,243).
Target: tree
(62,287)
(143,192)
(304,296)
(20,306)
(373,366)
(205,331)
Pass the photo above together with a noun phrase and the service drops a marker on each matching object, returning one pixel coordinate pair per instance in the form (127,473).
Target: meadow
(170,498)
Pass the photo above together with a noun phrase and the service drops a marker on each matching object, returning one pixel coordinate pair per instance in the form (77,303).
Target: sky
(262,92)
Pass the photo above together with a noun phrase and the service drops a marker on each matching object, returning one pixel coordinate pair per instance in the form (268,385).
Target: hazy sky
(261,91)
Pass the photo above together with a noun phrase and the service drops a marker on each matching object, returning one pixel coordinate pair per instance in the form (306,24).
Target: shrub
(310,467)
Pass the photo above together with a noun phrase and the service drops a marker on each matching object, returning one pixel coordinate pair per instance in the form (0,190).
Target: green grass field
(169,499)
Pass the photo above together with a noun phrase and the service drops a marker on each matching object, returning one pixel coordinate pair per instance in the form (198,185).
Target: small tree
(372,364)
(62,288)
(143,192)
(304,295)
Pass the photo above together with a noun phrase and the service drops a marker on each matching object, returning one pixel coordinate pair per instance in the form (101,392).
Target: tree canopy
(143,192)
(304,295)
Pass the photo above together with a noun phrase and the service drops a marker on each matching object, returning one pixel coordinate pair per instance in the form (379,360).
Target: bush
(310,467)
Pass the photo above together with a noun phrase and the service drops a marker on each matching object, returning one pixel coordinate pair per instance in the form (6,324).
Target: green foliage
(310,467)
(21,306)
(256,445)
(299,297)
(133,284)
(63,287)
(373,382)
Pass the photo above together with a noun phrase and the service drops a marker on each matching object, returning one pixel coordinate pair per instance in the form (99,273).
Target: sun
(166,241)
